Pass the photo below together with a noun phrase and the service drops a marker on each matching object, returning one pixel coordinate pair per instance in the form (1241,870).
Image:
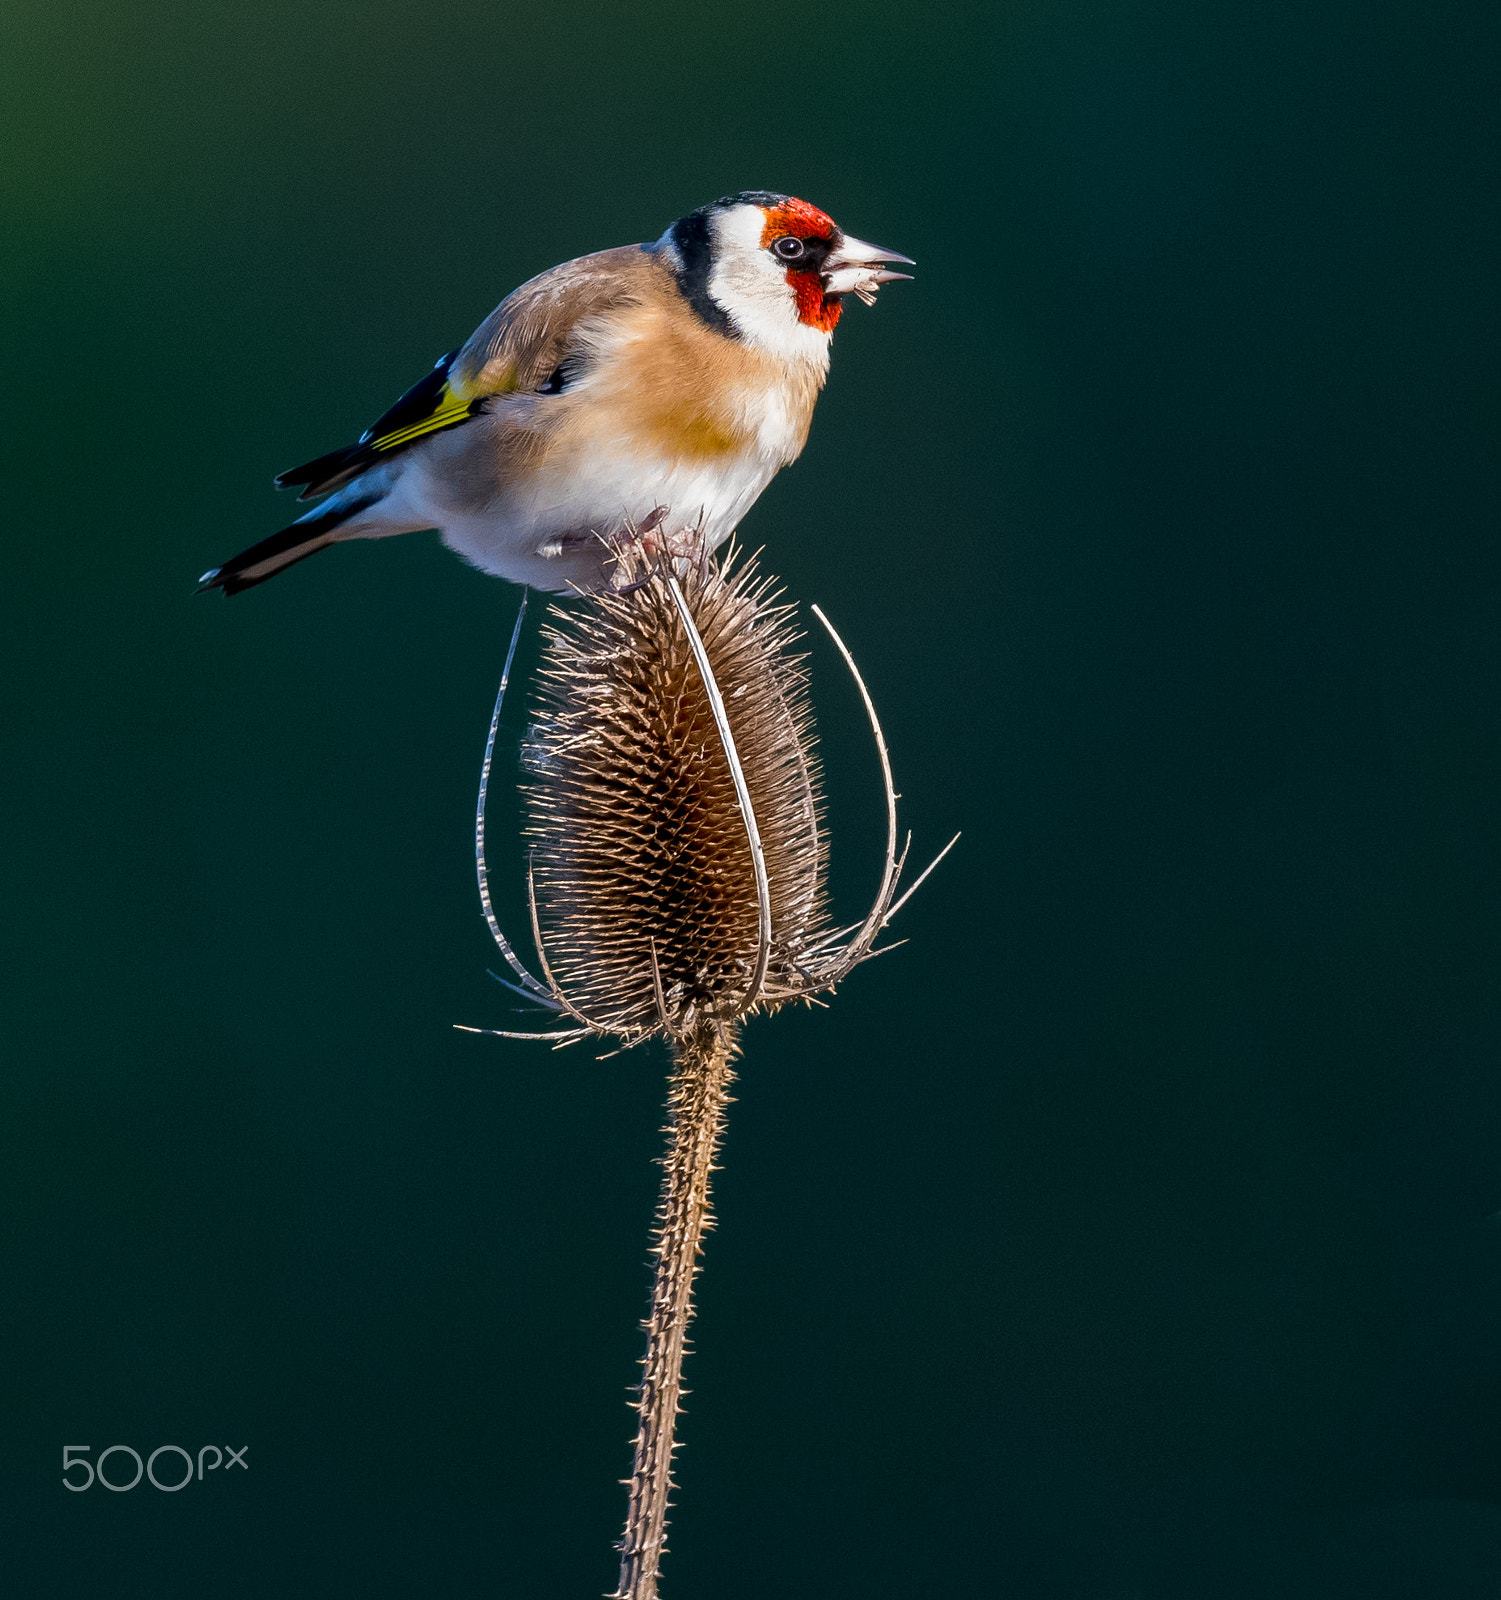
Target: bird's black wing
(427,407)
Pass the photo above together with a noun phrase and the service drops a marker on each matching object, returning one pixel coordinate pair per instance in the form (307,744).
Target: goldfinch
(656,386)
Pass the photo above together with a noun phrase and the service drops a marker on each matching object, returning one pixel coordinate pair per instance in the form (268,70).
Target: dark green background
(1126,1235)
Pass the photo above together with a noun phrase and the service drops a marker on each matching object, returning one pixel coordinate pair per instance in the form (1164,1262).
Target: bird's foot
(648,545)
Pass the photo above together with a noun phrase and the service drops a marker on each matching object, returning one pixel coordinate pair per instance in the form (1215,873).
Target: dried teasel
(676,884)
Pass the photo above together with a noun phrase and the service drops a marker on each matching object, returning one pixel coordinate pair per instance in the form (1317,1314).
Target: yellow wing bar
(451,409)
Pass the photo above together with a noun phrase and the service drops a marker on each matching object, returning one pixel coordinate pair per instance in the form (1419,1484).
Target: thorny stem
(696,1099)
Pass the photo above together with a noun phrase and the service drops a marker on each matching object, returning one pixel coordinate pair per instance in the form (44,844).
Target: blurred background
(1131,1233)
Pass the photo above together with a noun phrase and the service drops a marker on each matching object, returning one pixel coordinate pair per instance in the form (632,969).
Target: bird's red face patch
(797,217)
(802,221)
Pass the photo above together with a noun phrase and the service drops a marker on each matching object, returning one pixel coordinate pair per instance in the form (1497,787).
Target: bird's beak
(855,267)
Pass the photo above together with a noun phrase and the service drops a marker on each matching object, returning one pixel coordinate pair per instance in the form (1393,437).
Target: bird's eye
(790,249)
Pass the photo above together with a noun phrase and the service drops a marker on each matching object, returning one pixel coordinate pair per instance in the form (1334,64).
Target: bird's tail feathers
(306,537)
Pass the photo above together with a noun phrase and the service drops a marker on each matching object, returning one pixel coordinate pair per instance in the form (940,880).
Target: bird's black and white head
(773,270)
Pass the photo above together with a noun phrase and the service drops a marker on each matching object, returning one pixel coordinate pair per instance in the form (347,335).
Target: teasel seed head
(674,810)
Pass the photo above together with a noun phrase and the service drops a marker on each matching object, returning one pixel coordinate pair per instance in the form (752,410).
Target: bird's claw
(646,545)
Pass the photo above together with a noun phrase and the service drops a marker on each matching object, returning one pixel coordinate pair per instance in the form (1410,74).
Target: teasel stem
(663,905)
(698,1093)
